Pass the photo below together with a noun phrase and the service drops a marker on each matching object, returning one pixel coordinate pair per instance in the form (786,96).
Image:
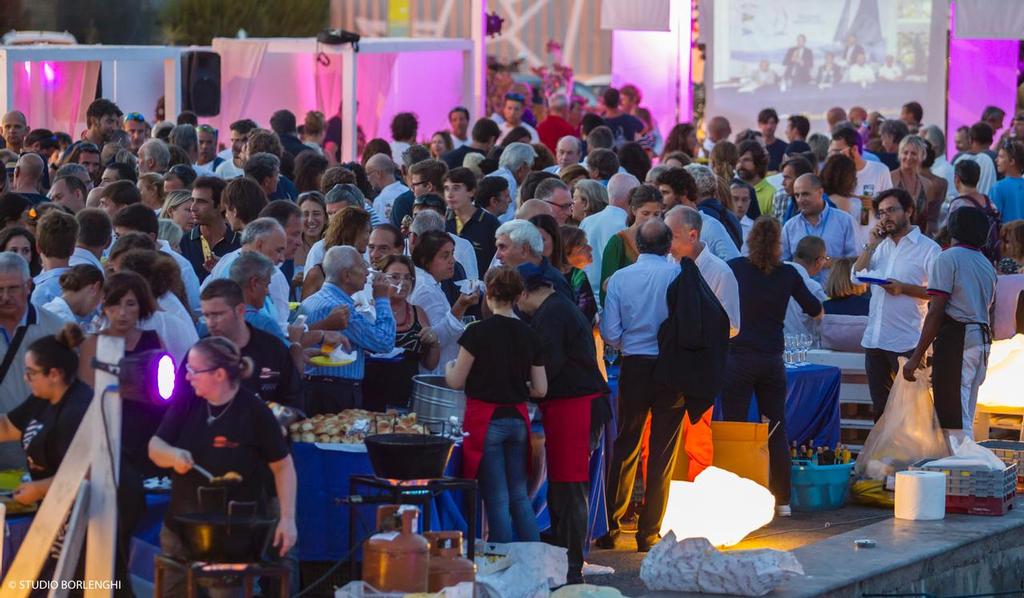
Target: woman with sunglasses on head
(231,433)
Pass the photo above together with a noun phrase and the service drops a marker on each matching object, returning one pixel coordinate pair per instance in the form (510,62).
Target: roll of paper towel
(920,495)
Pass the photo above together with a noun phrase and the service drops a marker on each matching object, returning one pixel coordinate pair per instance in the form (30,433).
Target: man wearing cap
(961,285)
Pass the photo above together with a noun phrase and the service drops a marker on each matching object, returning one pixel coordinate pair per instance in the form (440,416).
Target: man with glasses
(556,194)
(103,118)
(208,160)
(898,252)
(138,130)
(20,325)
(834,226)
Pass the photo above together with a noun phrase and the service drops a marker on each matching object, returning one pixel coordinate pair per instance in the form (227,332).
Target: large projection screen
(806,56)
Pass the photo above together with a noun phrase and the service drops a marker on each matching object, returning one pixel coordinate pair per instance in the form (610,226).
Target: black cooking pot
(408,456)
(220,538)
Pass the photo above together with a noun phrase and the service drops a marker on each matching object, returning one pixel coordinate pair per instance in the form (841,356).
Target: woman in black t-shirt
(501,366)
(224,428)
(48,419)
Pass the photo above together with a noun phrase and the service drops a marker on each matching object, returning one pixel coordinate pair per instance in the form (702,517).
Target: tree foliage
(197,22)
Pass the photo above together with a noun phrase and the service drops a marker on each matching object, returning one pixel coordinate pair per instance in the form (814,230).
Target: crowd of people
(517,257)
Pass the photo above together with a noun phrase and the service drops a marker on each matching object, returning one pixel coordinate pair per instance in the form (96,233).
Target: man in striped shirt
(332,389)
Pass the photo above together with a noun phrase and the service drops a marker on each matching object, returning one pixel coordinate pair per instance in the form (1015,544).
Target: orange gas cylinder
(398,559)
(447,565)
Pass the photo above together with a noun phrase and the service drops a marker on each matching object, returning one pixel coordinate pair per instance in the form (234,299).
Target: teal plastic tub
(819,487)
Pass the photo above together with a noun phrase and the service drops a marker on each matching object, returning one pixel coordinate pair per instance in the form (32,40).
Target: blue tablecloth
(145,542)
(322,518)
(812,405)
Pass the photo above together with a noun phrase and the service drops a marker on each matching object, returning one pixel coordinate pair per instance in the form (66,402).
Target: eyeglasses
(415,184)
(194,372)
(890,211)
(135,116)
(31,373)
(560,206)
(206,129)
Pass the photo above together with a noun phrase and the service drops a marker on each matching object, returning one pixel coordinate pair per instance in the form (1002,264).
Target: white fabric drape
(55,95)
(240,62)
(989,19)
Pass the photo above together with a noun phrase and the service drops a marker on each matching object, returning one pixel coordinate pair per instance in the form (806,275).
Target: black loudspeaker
(200,82)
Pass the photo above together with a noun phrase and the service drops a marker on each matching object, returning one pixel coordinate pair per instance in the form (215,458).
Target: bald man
(569,151)
(27,175)
(380,171)
(817,218)
(15,128)
(533,207)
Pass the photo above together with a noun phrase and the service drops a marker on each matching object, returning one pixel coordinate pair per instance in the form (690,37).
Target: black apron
(947,370)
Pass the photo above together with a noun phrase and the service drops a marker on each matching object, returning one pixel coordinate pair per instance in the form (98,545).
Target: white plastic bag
(966,452)
(694,565)
(907,432)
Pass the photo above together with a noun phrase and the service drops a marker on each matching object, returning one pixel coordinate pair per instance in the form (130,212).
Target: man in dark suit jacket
(798,62)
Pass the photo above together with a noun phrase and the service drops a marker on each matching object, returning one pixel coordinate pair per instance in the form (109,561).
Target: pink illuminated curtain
(55,95)
(240,63)
(373,86)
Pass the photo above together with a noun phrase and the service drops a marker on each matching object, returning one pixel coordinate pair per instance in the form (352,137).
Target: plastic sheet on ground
(359,589)
(694,565)
(586,591)
(529,570)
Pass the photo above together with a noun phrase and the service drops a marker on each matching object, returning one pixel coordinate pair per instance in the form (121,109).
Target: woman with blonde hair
(151,188)
(844,296)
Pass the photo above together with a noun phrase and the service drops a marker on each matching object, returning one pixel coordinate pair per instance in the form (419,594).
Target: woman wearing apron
(500,364)
(962,286)
(574,410)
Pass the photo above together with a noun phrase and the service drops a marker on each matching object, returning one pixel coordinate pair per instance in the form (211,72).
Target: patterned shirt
(375,336)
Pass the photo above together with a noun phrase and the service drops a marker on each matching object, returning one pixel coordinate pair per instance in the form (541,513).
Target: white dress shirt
(600,228)
(745,225)
(894,321)
(428,296)
(506,127)
(716,238)
(636,304)
(227,170)
(386,198)
(170,303)
(797,322)
(466,255)
(722,281)
(176,335)
(188,274)
(279,287)
(60,308)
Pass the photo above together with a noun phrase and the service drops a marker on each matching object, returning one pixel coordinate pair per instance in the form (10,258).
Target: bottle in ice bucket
(865,212)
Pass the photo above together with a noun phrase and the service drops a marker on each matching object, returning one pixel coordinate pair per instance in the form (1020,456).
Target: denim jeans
(502,478)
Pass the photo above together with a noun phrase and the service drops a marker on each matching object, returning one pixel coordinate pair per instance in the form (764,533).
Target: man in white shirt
(686,223)
(512,116)
(380,172)
(514,165)
(232,165)
(872,177)
(980,136)
(900,254)
(604,225)
(458,126)
(808,259)
(568,152)
(265,236)
(635,306)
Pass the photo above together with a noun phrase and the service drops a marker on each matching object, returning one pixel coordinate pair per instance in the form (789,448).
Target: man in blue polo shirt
(211,237)
(816,218)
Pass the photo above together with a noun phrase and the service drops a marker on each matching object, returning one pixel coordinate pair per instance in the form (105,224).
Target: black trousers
(569,506)
(881,367)
(765,374)
(640,395)
(332,395)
